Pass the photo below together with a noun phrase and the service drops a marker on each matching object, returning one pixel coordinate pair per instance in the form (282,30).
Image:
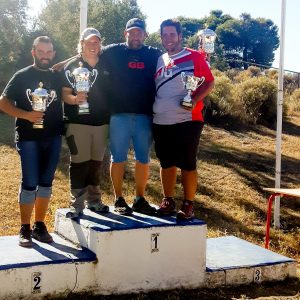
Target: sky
(159,10)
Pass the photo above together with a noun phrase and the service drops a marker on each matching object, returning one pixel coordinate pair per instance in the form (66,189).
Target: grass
(235,164)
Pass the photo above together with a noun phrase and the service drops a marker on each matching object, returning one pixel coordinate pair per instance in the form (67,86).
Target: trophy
(83,80)
(40,101)
(191,83)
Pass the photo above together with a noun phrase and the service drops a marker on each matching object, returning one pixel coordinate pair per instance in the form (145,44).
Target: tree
(215,19)
(110,17)
(249,40)
(12,32)
(154,40)
(60,19)
(190,26)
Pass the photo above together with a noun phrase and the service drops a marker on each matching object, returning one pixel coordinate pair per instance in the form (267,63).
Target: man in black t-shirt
(131,68)
(32,96)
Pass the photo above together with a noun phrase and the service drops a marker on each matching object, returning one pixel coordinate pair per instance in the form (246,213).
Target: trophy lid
(80,70)
(40,92)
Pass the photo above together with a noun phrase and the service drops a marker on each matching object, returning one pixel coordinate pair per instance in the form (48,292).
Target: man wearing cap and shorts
(176,128)
(87,132)
(131,67)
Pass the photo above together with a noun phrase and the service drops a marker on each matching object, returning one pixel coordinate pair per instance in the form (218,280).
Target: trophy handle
(52,97)
(201,81)
(94,74)
(183,78)
(68,74)
(28,94)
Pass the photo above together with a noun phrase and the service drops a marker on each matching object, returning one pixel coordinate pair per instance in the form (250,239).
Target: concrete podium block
(45,269)
(233,261)
(139,253)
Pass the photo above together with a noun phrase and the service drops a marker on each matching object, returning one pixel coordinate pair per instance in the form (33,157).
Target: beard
(43,64)
(135,45)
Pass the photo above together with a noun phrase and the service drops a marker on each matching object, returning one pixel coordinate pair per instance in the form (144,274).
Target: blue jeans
(39,160)
(127,128)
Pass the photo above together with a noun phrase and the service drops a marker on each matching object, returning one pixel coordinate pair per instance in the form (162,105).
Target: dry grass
(235,163)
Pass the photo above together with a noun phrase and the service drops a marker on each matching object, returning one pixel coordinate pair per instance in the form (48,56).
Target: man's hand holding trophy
(82,81)
(191,83)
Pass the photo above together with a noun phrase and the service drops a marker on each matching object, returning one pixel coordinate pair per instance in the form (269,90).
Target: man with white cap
(86,133)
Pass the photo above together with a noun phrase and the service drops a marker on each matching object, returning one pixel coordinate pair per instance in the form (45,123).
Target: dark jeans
(39,160)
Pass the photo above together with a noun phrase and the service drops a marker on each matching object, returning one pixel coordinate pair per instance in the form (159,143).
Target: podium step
(233,261)
(139,253)
(132,254)
(55,269)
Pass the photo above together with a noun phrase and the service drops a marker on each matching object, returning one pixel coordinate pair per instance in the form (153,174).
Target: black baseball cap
(135,23)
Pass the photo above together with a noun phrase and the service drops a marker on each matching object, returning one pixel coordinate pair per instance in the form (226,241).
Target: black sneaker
(121,207)
(40,233)
(142,206)
(25,236)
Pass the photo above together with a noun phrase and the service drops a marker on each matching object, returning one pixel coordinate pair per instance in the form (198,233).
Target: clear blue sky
(158,10)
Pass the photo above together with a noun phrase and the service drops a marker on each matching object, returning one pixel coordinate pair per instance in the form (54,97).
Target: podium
(138,252)
(110,254)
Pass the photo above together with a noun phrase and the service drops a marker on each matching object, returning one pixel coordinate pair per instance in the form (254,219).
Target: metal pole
(279,115)
(83,14)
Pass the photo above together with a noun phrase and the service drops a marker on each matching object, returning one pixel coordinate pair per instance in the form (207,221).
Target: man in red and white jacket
(177,128)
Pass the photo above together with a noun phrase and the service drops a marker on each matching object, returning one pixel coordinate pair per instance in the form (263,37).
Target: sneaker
(25,236)
(167,207)
(40,233)
(142,206)
(73,213)
(121,207)
(98,207)
(187,211)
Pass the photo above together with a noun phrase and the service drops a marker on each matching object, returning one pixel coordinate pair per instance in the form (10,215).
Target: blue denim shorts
(130,128)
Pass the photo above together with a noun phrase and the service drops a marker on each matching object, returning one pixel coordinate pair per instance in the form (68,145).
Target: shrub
(219,101)
(293,102)
(249,73)
(255,101)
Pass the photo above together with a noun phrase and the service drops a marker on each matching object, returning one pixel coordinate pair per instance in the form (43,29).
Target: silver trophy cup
(81,81)
(191,83)
(40,100)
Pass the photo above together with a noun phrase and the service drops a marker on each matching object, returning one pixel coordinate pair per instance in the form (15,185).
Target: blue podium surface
(58,252)
(115,222)
(230,252)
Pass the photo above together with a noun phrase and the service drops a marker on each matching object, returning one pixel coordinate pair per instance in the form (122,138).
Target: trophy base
(83,111)
(38,126)
(187,104)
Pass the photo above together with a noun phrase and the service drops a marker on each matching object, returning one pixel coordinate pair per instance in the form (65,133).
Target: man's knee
(27,196)
(44,192)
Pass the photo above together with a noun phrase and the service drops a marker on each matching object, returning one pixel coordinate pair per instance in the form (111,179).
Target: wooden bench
(276,192)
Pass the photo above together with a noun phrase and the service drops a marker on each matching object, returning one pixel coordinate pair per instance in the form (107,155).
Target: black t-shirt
(29,79)
(131,73)
(97,99)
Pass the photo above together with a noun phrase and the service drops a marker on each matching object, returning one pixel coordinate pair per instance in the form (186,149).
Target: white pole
(279,115)
(83,14)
